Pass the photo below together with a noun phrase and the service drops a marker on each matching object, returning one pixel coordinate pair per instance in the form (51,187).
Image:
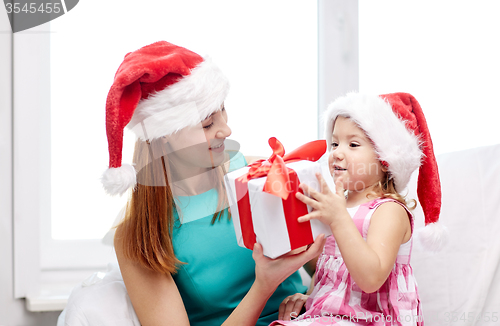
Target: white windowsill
(55,288)
(47,302)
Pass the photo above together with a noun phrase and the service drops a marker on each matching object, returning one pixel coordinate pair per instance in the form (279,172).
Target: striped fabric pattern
(337,299)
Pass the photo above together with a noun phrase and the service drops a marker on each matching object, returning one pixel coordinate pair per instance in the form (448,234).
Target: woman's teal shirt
(218,273)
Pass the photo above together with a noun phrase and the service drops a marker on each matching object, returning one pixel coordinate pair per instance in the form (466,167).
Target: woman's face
(200,146)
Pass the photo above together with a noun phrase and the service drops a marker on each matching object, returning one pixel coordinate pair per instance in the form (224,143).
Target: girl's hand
(325,203)
(291,306)
(269,273)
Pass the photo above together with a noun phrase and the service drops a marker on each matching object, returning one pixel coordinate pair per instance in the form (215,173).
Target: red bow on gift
(278,179)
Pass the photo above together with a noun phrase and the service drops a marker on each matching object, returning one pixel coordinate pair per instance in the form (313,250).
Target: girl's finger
(306,200)
(322,184)
(339,186)
(281,310)
(311,192)
(304,188)
(297,307)
(308,217)
(293,305)
(288,309)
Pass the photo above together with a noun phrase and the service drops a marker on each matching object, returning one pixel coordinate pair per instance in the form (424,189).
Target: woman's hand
(269,273)
(326,204)
(291,306)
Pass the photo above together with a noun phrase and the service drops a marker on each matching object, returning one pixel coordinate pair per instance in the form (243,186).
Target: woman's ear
(385,166)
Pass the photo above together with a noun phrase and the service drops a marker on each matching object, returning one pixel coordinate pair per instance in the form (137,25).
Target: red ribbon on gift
(282,182)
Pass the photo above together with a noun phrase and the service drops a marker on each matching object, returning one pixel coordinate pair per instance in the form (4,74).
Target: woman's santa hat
(397,127)
(157,91)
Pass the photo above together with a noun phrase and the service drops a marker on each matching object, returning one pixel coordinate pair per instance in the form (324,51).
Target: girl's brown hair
(146,231)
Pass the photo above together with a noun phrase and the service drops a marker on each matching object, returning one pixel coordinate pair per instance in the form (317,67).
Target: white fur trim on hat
(118,180)
(393,143)
(433,236)
(183,104)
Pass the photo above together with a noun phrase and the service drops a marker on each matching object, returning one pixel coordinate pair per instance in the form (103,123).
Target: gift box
(262,198)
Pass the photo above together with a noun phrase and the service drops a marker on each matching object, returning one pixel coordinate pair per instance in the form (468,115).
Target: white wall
(12,311)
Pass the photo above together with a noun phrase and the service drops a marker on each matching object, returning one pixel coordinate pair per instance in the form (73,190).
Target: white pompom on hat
(396,125)
(158,90)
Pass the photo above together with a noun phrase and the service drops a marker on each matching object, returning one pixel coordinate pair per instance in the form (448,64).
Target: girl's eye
(354,145)
(334,145)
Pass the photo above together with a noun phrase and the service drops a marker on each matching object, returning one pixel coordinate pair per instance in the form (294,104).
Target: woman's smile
(218,148)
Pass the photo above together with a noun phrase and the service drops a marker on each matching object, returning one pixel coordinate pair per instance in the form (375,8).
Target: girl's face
(201,146)
(353,157)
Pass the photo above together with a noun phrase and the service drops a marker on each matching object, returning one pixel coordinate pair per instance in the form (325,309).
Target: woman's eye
(208,126)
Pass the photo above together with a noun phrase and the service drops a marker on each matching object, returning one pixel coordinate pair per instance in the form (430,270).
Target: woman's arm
(157,300)
(154,295)
(269,273)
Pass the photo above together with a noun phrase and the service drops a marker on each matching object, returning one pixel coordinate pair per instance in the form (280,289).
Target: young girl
(363,276)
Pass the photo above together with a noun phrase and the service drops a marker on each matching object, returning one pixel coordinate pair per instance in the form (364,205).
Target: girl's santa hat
(157,91)
(397,127)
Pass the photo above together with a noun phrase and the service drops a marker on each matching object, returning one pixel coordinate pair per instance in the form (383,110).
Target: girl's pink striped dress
(336,298)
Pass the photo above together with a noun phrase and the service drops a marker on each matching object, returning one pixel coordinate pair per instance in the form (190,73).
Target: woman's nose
(223,130)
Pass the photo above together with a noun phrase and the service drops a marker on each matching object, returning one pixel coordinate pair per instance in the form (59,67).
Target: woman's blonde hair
(146,231)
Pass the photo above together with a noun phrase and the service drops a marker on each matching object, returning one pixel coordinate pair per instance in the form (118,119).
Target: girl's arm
(369,262)
(157,300)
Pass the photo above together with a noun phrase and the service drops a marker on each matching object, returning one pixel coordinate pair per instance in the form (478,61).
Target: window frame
(32,172)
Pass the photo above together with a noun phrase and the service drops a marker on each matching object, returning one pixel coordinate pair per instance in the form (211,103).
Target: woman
(176,246)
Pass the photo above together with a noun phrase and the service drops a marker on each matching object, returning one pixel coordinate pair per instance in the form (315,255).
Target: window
(443,53)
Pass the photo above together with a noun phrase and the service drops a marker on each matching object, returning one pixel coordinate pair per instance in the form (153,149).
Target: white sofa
(461,284)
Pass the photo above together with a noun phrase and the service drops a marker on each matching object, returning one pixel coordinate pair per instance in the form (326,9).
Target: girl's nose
(337,155)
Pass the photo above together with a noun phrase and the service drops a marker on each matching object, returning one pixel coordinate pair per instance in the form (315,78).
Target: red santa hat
(157,91)
(397,127)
